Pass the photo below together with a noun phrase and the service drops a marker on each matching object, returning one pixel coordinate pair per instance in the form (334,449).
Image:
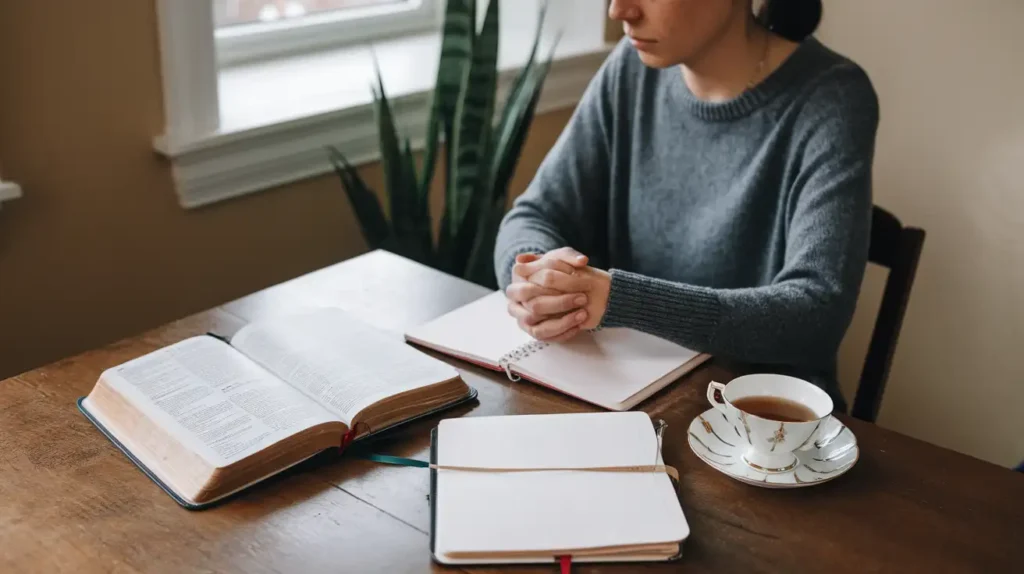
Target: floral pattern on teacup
(778,436)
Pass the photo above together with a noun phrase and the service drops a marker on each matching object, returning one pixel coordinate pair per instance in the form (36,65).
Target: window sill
(9,191)
(276,117)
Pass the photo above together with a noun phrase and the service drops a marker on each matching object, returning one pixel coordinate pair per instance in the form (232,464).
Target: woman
(713,188)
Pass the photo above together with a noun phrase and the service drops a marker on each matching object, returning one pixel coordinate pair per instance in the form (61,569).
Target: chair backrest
(898,248)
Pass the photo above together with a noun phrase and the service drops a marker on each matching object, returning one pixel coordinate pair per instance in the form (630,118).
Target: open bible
(206,418)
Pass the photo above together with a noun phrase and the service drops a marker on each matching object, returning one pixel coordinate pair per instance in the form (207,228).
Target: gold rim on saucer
(767,470)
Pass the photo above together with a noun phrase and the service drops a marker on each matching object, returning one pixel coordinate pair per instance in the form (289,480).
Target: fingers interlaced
(559,281)
(548,294)
(565,336)
(556,326)
(569,255)
(525,319)
(534,267)
(525,291)
(555,304)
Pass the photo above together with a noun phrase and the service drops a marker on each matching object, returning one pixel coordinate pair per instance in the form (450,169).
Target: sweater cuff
(504,264)
(666,309)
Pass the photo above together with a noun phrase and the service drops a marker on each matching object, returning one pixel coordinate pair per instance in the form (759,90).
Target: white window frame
(215,155)
(248,42)
(8,191)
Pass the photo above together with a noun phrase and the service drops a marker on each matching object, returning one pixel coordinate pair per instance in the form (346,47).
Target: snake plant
(482,148)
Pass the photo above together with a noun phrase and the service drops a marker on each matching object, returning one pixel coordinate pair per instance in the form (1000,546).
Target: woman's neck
(743,55)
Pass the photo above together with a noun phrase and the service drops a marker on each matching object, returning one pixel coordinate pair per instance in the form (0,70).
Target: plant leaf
(408,164)
(444,246)
(402,199)
(517,87)
(465,235)
(456,51)
(480,264)
(364,202)
(514,127)
(445,241)
(473,115)
(423,239)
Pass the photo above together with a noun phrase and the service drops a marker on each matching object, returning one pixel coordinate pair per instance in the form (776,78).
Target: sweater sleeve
(565,203)
(802,315)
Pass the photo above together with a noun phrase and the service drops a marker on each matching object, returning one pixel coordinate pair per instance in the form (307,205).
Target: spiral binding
(517,354)
(525,350)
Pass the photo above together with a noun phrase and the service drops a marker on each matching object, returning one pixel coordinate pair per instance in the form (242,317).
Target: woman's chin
(653,60)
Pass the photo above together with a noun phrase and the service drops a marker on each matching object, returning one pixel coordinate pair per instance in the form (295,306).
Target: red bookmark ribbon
(566,562)
(347,439)
(350,436)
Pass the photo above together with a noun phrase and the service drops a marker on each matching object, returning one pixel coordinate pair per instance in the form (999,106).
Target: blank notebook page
(482,330)
(608,366)
(551,511)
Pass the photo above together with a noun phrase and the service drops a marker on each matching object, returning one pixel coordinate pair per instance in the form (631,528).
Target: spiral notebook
(614,368)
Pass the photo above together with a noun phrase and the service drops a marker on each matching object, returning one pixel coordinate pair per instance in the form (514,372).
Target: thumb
(527,257)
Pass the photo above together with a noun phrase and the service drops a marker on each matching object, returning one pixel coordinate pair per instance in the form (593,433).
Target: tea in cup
(775,415)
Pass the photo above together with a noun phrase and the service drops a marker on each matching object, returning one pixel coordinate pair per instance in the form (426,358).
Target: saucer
(718,442)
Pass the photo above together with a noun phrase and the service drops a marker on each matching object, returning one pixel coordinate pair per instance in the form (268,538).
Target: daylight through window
(235,12)
(249,30)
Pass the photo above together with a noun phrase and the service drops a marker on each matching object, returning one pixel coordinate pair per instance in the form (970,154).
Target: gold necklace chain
(760,65)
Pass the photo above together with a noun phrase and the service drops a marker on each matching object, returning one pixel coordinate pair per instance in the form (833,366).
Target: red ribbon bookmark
(566,562)
(347,439)
(351,435)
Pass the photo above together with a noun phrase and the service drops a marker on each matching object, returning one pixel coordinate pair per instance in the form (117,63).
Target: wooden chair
(898,248)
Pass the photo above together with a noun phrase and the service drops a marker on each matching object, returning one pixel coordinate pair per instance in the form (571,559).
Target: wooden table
(70,501)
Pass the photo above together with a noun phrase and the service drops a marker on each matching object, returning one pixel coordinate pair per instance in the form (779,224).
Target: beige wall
(98,248)
(950,76)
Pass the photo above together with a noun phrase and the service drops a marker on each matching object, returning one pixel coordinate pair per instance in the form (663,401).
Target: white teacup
(771,442)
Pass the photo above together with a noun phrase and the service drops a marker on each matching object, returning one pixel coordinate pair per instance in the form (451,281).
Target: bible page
(213,399)
(339,361)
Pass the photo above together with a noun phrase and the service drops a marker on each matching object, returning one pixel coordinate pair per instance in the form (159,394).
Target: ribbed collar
(801,63)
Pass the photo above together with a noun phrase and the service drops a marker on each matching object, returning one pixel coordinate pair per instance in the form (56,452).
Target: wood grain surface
(70,501)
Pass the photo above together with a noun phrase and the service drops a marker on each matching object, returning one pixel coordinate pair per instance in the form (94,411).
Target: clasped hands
(556,295)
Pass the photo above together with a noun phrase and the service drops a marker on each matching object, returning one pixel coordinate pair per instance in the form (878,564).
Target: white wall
(950,159)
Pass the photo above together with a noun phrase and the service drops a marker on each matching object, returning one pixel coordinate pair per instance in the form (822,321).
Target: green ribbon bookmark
(396,460)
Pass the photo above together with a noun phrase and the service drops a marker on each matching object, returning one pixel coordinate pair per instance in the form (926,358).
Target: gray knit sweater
(736,228)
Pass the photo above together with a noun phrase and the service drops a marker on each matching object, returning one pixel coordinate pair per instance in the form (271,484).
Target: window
(249,30)
(253,90)
(8,191)
(235,12)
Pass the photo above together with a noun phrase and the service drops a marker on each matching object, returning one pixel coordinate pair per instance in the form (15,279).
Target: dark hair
(791,19)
